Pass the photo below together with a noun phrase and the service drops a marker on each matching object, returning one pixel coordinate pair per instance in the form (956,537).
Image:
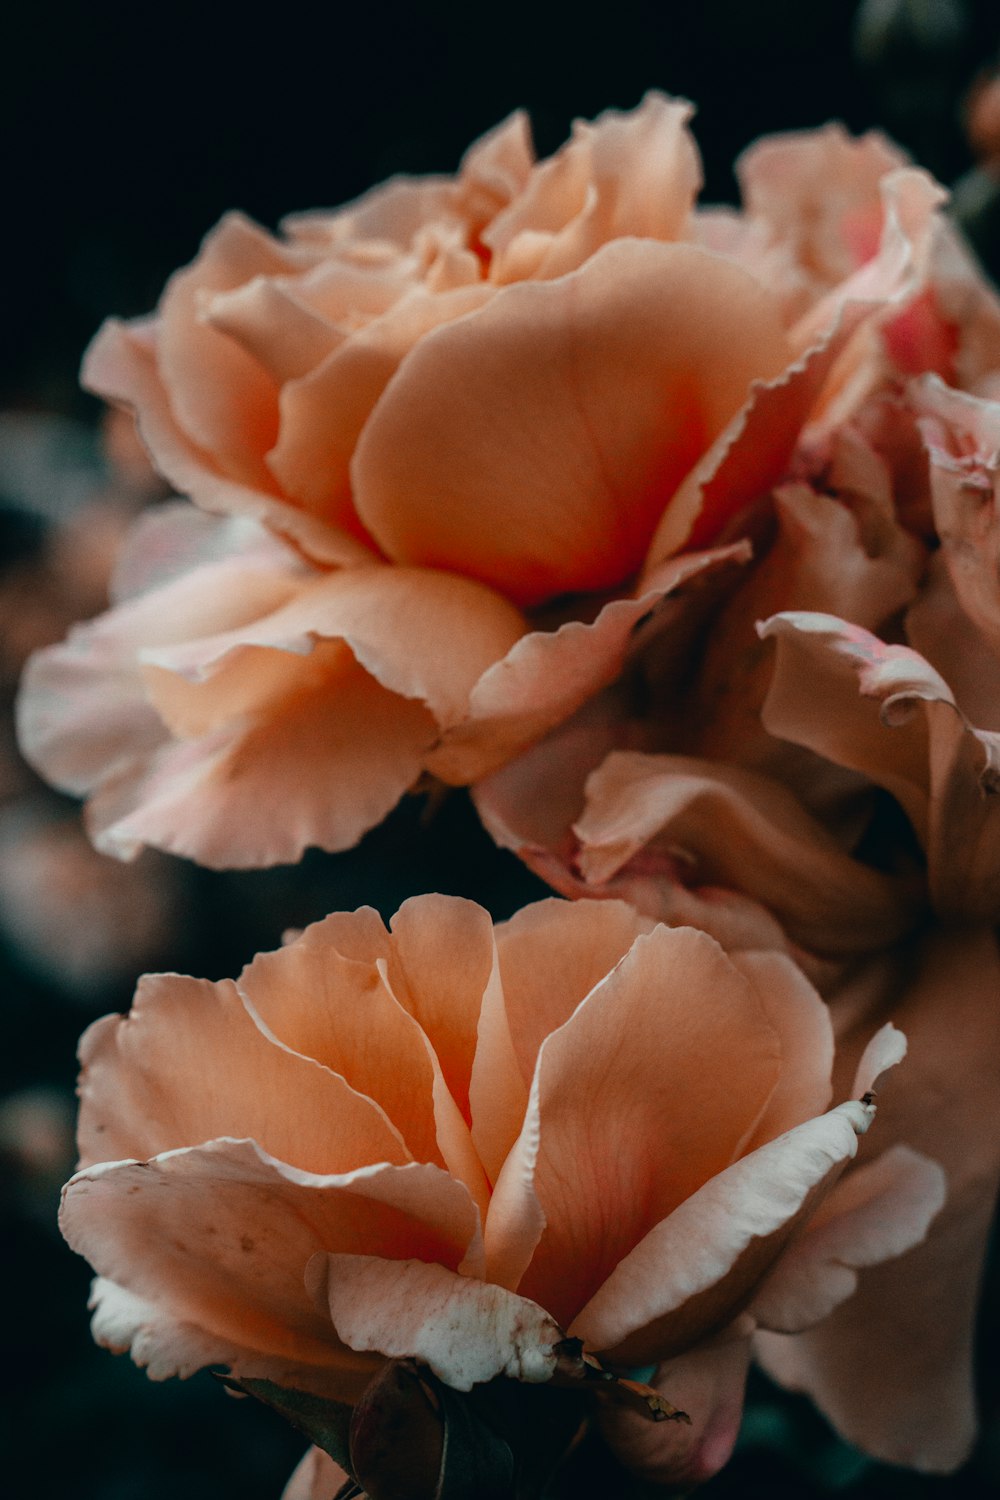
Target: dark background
(128,130)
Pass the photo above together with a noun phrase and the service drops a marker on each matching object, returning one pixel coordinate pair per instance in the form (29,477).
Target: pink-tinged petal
(725,827)
(220,396)
(565,413)
(548,675)
(466,1330)
(174,538)
(317,1477)
(631,1122)
(751,454)
(121,365)
(324,411)
(443,958)
(217,1239)
(892,1367)
(627,174)
(873,1214)
(883,710)
(962,435)
(352,1025)
(892,280)
(691,1273)
(212,799)
(190,1063)
(706,1382)
(818,193)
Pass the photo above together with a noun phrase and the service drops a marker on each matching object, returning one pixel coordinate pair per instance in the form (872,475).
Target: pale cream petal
(466,1330)
(874,1214)
(693,1271)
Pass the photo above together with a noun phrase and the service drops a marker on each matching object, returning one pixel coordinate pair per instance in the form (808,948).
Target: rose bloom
(467,432)
(457,1143)
(808,761)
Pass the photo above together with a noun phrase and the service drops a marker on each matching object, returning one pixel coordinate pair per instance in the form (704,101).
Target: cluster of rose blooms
(673,533)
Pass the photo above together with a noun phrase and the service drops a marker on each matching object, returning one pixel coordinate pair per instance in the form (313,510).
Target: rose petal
(467,1331)
(884,711)
(734,829)
(627,1112)
(593,418)
(692,1272)
(121,365)
(316,1477)
(892,1367)
(152,1082)
(217,1238)
(548,675)
(708,1384)
(873,1214)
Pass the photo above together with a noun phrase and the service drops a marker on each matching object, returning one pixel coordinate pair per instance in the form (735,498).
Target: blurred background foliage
(128,130)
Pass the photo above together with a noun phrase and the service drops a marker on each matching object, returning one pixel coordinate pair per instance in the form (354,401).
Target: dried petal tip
(573,1365)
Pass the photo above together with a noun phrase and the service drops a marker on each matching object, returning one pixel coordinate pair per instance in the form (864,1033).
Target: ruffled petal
(216,1239)
(537,440)
(734,829)
(549,674)
(883,710)
(121,365)
(466,1330)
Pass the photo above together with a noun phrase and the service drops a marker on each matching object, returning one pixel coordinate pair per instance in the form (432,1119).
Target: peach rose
(458,1144)
(497,421)
(811,765)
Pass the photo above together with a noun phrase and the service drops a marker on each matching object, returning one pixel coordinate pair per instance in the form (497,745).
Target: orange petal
(565,414)
(216,1240)
(628,1115)
(152,1082)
